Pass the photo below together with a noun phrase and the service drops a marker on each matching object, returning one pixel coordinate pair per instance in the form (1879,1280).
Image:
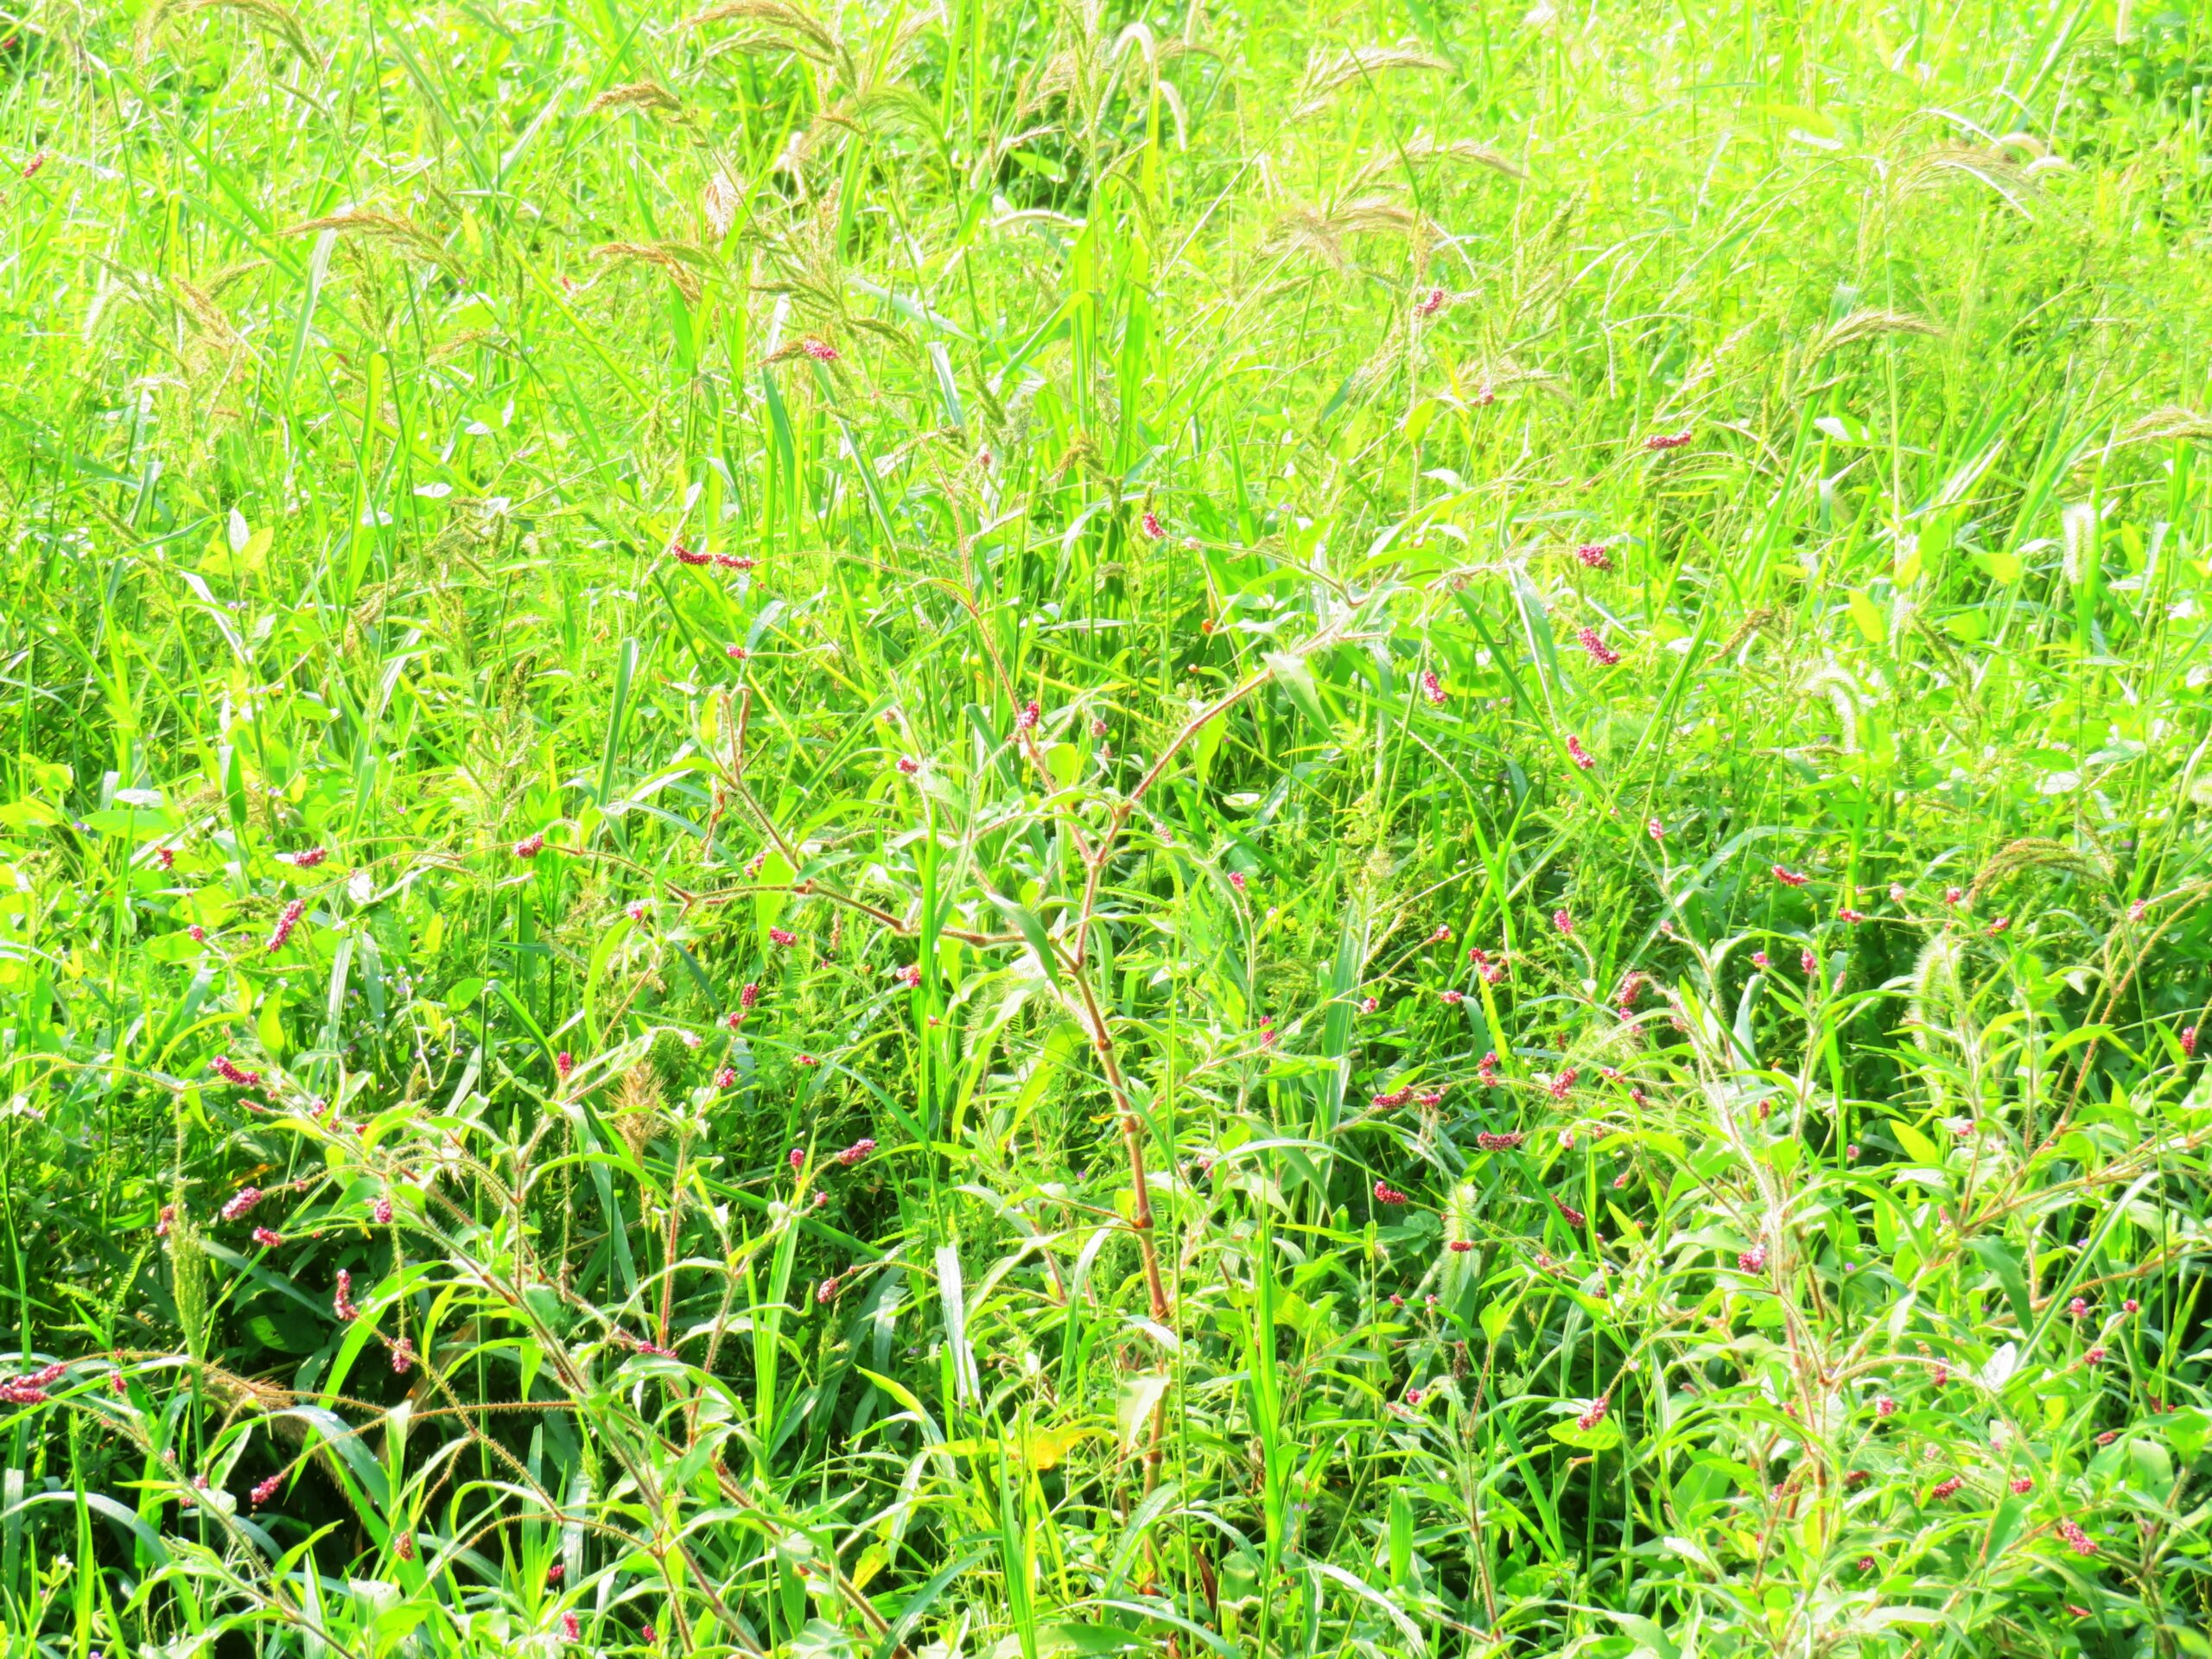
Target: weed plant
(1044,827)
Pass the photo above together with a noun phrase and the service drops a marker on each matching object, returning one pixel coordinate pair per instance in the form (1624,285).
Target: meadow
(1038,828)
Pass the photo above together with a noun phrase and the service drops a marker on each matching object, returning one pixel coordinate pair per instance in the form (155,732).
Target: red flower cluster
(1593,642)
(285,923)
(241,1201)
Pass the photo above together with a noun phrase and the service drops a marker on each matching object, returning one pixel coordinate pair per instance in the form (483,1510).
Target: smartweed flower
(1594,643)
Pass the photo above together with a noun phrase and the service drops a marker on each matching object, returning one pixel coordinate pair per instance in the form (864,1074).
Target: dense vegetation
(1046,828)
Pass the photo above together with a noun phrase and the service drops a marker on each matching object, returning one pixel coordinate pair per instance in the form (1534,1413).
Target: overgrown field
(1058,828)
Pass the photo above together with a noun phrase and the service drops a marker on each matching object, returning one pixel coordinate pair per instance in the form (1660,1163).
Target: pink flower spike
(1429,303)
(1884,1406)
(2023,1487)
(1999,926)
(343,1303)
(684,554)
(1790,878)
(564,1063)
(2077,1309)
(855,1153)
(1656,830)
(241,1201)
(1030,715)
(1442,936)
(1454,998)
(2137,910)
(383,1212)
(1759,959)
(1152,526)
(2189,1041)
(1486,1070)
(1594,555)
(1385,1193)
(1753,1260)
(1594,643)
(1662,441)
(1581,756)
(282,933)
(2076,1539)
(797,1160)
(265,1490)
(266,1238)
(1236,880)
(304,860)
(1368,1005)
(1433,689)
(737,653)
(821,352)
(1808,961)
(2130,1305)
(570,1631)
(635,910)
(1562,1085)
(910,976)
(196,933)
(1945,1489)
(909,765)
(749,995)
(1853,916)
(1593,1414)
(782,935)
(1954,896)
(1563,922)
(402,1357)
(164,858)
(726,1077)
(529,846)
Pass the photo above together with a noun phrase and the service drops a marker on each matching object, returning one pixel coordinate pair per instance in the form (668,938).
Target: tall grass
(1018,829)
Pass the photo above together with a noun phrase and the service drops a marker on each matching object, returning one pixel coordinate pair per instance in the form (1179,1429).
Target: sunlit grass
(1013,831)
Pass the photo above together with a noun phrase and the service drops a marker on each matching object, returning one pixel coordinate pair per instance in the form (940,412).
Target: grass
(1013,830)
